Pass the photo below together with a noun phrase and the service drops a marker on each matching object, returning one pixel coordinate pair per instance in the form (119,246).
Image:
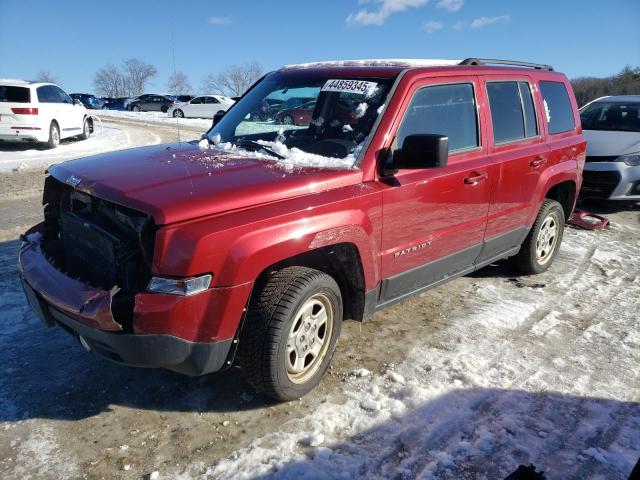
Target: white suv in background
(40,112)
(611,126)
(204,106)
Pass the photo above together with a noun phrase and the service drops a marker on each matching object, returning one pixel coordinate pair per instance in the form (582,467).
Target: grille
(93,254)
(599,184)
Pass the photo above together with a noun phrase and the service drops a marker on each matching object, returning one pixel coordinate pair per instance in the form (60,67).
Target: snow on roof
(13,81)
(378,62)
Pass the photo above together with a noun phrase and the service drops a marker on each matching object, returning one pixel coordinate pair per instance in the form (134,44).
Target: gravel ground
(464,354)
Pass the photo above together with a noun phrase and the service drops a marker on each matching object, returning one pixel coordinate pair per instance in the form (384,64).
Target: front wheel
(86,129)
(541,246)
(178,113)
(136,108)
(291,331)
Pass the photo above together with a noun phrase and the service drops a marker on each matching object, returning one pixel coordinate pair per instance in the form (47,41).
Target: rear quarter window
(14,94)
(558,111)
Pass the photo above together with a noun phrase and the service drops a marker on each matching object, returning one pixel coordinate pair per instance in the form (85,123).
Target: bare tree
(45,76)
(110,82)
(179,83)
(138,74)
(627,81)
(234,80)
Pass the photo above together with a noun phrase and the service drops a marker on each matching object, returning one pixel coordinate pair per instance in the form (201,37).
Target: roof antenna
(173,56)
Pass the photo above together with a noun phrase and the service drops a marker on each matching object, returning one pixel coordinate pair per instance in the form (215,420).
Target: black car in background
(151,103)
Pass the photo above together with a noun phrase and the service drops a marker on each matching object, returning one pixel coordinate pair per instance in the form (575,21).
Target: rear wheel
(291,331)
(541,246)
(54,135)
(136,108)
(164,109)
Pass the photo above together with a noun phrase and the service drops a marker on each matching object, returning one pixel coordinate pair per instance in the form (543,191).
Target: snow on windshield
(292,157)
(303,120)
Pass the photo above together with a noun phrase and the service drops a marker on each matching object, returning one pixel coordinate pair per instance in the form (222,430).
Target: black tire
(528,260)
(270,324)
(86,129)
(135,108)
(178,113)
(54,135)
(164,109)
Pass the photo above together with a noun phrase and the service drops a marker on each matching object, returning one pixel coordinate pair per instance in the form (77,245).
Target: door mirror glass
(422,150)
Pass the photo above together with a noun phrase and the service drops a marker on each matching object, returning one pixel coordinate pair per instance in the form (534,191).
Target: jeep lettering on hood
(180,181)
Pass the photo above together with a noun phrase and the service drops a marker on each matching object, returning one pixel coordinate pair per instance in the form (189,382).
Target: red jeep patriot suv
(251,246)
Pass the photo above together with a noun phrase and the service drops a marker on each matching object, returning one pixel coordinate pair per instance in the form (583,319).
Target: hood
(181,181)
(606,143)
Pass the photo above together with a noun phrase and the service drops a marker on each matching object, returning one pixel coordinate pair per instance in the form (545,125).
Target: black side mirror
(422,151)
(77,102)
(217,117)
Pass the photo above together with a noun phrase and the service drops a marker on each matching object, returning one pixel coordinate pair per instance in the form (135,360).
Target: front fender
(237,246)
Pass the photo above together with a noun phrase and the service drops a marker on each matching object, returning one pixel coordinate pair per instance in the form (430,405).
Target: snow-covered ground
(542,370)
(465,381)
(19,156)
(155,117)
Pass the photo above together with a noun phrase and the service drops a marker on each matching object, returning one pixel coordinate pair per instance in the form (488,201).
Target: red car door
(518,153)
(434,219)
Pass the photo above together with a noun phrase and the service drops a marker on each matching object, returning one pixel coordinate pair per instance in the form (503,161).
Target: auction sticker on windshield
(349,86)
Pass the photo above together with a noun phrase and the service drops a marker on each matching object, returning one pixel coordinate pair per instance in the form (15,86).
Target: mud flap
(587,221)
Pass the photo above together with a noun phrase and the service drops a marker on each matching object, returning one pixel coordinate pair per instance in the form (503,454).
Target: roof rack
(494,61)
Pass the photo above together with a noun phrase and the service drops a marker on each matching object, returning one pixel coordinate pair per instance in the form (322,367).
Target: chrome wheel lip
(547,238)
(55,136)
(308,338)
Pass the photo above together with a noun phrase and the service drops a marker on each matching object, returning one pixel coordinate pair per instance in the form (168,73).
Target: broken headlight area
(100,243)
(180,286)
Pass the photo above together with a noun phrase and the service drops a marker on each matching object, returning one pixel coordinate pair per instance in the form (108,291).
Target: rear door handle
(475,178)
(538,162)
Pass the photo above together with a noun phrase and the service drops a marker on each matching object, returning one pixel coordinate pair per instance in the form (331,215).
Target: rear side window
(512,112)
(444,110)
(14,94)
(46,94)
(557,107)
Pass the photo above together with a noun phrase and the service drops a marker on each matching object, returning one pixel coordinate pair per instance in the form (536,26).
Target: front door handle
(475,178)
(538,162)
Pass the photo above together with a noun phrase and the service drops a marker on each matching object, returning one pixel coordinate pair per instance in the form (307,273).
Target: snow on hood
(605,143)
(183,181)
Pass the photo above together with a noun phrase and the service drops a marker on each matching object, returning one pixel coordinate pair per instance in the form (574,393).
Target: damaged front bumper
(85,312)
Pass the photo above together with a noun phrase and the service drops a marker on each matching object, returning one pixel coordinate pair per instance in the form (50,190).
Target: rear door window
(513,115)
(443,110)
(13,94)
(557,106)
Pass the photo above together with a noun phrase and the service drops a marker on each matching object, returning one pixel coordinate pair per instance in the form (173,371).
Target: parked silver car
(611,126)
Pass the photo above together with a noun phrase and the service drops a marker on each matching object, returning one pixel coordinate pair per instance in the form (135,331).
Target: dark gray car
(151,103)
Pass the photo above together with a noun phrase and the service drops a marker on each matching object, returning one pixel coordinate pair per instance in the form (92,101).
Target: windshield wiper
(258,146)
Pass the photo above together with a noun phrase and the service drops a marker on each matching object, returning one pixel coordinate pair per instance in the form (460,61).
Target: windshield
(611,116)
(304,118)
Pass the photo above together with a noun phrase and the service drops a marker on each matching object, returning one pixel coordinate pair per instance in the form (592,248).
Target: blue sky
(72,39)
